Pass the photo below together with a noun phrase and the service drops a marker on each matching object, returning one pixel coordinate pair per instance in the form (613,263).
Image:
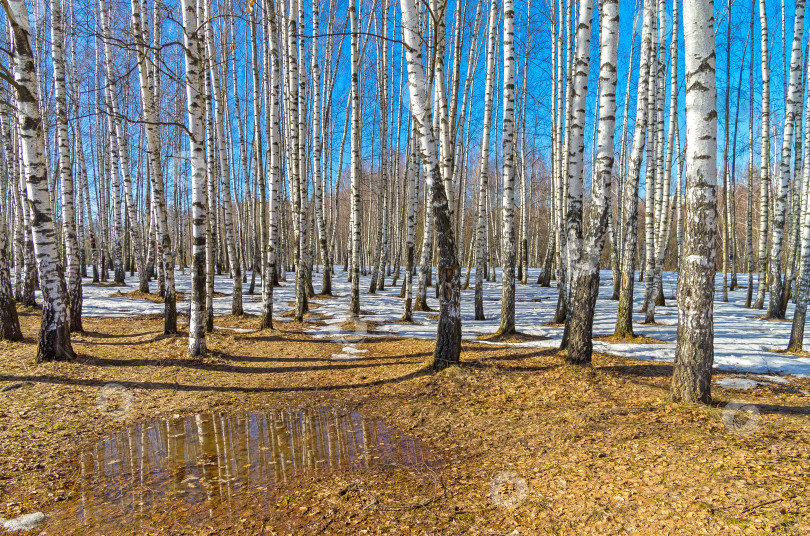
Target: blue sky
(539,79)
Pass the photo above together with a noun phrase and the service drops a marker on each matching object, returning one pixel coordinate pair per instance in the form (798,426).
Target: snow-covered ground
(743,342)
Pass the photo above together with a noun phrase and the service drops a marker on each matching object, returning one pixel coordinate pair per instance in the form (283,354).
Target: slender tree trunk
(483,175)
(354,301)
(694,353)
(575,158)
(765,158)
(412,173)
(9,322)
(54,336)
(585,276)
(624,315)
(71,243)
(194,64)
(664,228)
(796,343)
(316,154)
(793,105)
(156,170)
(749,227)
(508,210)
(653,174)
(119,151)
(224,169)
(448,336)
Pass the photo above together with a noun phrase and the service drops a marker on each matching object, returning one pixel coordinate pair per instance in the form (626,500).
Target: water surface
(216,464)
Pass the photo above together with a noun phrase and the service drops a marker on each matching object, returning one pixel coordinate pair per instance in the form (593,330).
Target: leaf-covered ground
(601,450)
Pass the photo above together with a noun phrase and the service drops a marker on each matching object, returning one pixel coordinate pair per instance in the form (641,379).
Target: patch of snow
(24,522)
(743,343)
(772,379)
(353,350)
(741,384)
(236,330)
(345,357)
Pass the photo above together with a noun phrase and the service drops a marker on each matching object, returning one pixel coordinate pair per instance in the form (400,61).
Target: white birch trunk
(317,151)
(629,237)
(354,300)
(71,243)
(54,336)
(792,107)
(585,276)
(224,169)
(147,86)
(508,210)
(765,158)
(694,352)
(9,322)
(194,64)
(448,338)
(483,174)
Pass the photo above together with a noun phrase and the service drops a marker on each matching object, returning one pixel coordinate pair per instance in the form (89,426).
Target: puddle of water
(211,465)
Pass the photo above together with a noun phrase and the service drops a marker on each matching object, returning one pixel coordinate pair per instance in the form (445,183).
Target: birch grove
(426,152)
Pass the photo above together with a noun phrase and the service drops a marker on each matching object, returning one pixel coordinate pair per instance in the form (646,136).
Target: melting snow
(743,342)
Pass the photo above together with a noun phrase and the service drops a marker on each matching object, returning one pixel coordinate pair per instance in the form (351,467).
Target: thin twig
(766,503)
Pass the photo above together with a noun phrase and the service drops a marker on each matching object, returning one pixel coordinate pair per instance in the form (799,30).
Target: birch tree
(354,299)
(317,151)
(624,314)
(792,108)
(119,151)
(411,173)
(53,342)
(585,274)
(694,352)
(71,243)
(224,166)
(9,322)
(153,153)
(576,149)
(483,173)
(508,211)
(199,199)
(271,81)
(662,229)
(796,343)
(448,336)
(765,158)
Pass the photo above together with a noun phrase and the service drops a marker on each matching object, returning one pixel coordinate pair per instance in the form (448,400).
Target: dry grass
(154,297)
(150,296)
(800,353)
(310,304)
(309,315)
(603,449)
(637,339)
(360,325)
(512,337)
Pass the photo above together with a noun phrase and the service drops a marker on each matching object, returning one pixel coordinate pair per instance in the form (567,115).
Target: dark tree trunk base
(421,305)
(53,344)
(9,322)
(580,322)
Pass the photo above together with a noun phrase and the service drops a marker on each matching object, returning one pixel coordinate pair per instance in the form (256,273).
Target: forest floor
(598,450)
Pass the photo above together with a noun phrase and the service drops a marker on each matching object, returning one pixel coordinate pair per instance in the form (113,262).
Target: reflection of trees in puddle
(209,464)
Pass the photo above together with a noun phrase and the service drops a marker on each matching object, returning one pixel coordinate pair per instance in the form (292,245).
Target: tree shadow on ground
(652,370)
(168,386)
